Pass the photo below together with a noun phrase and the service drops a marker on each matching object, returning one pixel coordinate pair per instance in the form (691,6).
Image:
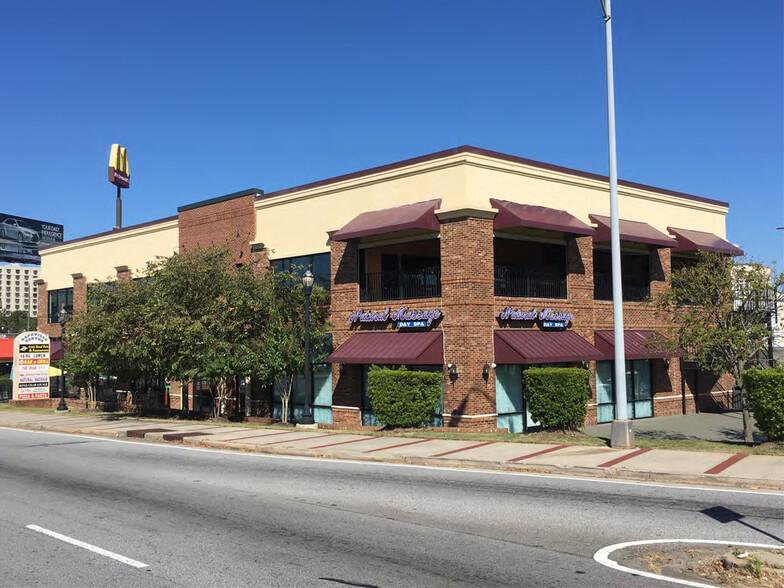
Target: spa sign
(404,317)
(547,318)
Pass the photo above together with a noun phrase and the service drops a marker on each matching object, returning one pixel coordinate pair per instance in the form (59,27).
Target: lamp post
(61,317)
(622,433)
(307,414)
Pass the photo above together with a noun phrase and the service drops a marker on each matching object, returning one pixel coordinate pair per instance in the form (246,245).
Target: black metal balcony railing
(421,283)
(519,282)
(632,292)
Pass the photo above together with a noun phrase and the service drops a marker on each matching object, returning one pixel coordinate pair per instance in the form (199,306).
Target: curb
(611,473)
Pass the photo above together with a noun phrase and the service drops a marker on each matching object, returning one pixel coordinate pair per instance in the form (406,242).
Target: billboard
(21,237)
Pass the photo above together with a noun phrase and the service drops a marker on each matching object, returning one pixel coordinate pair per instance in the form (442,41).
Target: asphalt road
(209,518)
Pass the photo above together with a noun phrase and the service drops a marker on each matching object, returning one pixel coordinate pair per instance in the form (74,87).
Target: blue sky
(215,97)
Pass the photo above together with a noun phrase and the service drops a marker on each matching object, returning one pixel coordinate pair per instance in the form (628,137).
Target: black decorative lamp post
(307,414)
(61,317)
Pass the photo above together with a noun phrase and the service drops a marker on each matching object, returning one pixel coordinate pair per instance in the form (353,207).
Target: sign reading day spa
(31,366)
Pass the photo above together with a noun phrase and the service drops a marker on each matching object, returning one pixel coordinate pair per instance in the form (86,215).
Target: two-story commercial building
(468,262)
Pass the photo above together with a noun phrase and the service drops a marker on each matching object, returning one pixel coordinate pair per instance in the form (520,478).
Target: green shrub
(403,398)
(765,390)
(557,397)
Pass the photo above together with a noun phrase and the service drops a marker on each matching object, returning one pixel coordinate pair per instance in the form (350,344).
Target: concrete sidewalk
(692,467)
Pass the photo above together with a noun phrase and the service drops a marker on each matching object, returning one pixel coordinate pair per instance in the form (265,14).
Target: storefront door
(639,395)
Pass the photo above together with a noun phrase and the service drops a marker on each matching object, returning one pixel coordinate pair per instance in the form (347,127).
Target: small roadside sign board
(31,366)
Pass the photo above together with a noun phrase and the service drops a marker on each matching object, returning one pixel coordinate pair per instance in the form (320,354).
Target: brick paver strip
(181,436)
(400,445)
(535,453)
(140,433)
(262,435)
(293,440)
(726,463)
(343,442)
(617,460)
(463,449)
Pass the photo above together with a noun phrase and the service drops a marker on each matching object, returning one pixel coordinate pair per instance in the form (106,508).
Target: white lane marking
(87,546)
(603,557)
(475,471)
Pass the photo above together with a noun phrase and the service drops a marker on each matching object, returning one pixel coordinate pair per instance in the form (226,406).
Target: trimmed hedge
(557,397)
(403,398)
(765,390)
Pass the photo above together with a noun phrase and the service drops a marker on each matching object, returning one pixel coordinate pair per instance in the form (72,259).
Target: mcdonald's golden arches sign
(118,167)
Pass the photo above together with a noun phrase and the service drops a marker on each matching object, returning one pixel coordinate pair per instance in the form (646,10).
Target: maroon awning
(524,346)
(392,347)
(420,215)
(55,349)
(636,345)
(689,240)
(634,231)
(512,214)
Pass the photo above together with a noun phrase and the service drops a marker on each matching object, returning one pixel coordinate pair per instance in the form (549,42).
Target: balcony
(401,285)
(520,282)
(633,291)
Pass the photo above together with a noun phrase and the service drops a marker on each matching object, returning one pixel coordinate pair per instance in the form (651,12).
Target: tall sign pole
(120,176)
(622,433)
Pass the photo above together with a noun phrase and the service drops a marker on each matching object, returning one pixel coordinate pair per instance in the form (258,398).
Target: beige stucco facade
(98,257)
(298,222)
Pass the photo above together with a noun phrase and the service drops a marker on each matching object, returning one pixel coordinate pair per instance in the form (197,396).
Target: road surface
(189,517)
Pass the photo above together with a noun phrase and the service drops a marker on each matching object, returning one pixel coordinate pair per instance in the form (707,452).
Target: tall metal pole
(622,434)
(118,209)
(307,414)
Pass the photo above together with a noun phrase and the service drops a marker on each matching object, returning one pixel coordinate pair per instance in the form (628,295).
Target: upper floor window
(399,272)
(318,264)
(60,299)
(529,269)
(635,275)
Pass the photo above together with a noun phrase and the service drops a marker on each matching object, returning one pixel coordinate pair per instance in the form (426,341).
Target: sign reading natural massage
(549,319)
(31,366)
(404,317)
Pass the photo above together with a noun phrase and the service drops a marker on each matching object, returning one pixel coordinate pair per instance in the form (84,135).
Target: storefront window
(639,394)
(322,396)
(60,299)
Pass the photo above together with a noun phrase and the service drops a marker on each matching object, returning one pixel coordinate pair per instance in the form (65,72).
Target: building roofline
(232,196)
(487,153)
(112,232)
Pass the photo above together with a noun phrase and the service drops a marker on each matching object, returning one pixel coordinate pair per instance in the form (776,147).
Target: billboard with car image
(21,237)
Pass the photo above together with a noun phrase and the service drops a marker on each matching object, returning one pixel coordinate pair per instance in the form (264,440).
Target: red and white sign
(31,366)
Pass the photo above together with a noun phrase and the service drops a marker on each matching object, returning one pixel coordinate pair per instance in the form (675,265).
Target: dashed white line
(603,557)
(87,546)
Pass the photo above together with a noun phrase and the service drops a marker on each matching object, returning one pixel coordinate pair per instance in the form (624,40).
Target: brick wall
(229,222)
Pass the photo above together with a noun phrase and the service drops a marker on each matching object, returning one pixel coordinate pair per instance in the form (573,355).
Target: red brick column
(467,282)
(44,326)
(230,222)
(79,293)
(661,269)
(344,299)
(123,273)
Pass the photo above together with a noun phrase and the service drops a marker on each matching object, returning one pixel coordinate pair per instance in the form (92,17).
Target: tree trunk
(285,396)
(222,387)
(748,432)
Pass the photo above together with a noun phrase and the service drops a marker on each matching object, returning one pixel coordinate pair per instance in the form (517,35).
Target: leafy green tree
(719,312)
(15,321)
(284,354)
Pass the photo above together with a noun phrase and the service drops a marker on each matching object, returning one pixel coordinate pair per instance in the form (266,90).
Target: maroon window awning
(512,215)
(524,346)
(55,349)
(420,215)
(636,345)
(392,347)
(633,231)
(689,240)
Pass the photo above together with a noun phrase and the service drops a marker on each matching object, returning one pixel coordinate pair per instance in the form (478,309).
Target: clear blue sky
(215,97)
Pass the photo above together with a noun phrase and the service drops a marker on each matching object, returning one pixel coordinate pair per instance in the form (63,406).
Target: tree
(284,355)
(719,313)
(15,321)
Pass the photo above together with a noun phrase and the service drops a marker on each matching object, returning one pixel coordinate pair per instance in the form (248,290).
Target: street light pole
(622,433)
(61,316)
(307,414)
